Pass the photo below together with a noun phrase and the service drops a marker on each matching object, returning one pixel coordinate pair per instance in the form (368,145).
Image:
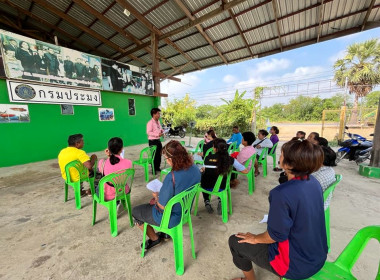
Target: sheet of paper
(264,220)
(209,166)
(166,130)
(154,186)
(122,154)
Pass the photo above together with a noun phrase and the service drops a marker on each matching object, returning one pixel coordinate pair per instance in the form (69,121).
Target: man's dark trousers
(157,158)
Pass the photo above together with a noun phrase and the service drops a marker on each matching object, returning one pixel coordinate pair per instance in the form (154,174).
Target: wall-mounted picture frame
(12,113)
(106,114)
(67,109)
(131,107)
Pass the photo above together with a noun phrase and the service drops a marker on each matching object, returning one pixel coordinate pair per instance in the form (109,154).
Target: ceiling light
(127,13)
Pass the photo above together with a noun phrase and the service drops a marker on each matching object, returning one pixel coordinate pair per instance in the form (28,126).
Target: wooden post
(342,123)
(375,156)
(323,121)
(155,64)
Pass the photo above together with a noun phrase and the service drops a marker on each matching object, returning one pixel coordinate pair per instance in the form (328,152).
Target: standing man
(155,131)
(52,62)
(235,137)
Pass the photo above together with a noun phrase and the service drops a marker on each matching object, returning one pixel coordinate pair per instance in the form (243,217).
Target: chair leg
(94,207)
(274,160)
(146,170)
(76,187)
(178,251)
(223,197)
(143,241)
(250,187)
(129,210)
(191,238)
(327,222)
(66,191)
(265,165)
(153,170)
(196,204)
(229,201)
(113,218)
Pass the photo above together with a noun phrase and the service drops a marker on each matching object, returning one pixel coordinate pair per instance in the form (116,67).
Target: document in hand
(154,186)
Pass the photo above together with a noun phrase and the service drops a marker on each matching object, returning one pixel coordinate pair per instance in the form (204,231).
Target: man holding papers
(155,131)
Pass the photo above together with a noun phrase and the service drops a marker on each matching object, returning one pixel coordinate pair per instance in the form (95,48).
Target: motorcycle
(177,131)
(357,144)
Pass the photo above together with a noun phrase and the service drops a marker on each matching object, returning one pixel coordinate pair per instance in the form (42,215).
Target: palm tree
(361,66)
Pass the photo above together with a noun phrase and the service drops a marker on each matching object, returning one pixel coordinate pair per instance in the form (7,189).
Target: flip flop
(257,174)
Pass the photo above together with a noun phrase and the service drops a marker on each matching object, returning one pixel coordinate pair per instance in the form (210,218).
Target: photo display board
(28,59)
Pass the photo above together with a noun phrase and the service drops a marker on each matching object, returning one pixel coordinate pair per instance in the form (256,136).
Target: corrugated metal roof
(298,23)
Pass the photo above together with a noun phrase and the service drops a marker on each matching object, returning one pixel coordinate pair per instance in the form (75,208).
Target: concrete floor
(44,238)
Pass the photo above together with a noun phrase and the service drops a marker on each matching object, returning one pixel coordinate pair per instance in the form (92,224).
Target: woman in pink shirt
(114,163)
(244,154)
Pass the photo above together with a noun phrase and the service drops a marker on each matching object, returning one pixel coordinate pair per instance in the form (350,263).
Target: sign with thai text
(39,93)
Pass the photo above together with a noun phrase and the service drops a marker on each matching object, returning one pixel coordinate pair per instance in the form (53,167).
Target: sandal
(163,235)
(209,208)
(150,244)
(257,173)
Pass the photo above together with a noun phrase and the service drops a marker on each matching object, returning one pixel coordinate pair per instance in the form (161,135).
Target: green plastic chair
(209,151)
(326,194)
(186,199)
(182,143)
(341,268)
(272,153)
(83,177)
(198,148)
(250,175)
(224,195)
(165,171)
(118,179)
(263,161)
(146,157)
(232,148)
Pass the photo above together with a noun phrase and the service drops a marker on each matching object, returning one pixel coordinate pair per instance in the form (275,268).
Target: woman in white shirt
(260,143)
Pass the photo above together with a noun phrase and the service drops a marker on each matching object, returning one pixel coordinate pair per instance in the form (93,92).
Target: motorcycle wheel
(362,159)
(182,134)
(170,135)
(340,155)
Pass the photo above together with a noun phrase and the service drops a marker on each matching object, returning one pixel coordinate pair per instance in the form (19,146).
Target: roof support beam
(203,18)
(200,29)
(176,71)
(367,15)
(80,25)
(123,32)
(5,20)
(274,5)
(240,32)
(321,16)
(152,28)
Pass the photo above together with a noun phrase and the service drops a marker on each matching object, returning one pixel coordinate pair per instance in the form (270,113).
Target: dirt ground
(331,130)
(44,238)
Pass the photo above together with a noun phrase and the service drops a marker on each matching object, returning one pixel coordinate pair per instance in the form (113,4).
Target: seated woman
(114,163)
(244,154)
(206,138)
(260,143)
(184,175)
(223,163)
(211,136)
(326,174)
(294,245)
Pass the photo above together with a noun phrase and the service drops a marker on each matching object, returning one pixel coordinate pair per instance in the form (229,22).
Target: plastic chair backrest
(251,158)
(79,167)
(152,153)
(182,143)
(220,180)
(232,147)
(211,150)
(264,153)
(199,147)
(353,250)
(148,153)
(119,180)
(273,149)
(185,199)
(331,188)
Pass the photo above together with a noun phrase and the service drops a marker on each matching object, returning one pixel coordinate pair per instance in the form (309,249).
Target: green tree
(361,66)
(179,111)
(372,99)
(206,112)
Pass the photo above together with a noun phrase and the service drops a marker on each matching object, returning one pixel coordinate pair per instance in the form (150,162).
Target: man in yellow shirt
(74,152)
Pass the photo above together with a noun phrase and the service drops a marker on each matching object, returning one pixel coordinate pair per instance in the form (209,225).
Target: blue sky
(308,68)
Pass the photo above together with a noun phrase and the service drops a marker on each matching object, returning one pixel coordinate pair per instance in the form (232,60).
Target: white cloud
(229,79)
(338,55)
(271,65)
(179,89)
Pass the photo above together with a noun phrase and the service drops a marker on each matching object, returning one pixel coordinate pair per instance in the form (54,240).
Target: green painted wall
(48,130)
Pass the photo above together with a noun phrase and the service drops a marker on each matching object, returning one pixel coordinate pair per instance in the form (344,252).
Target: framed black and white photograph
(67,109)
(132,107)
